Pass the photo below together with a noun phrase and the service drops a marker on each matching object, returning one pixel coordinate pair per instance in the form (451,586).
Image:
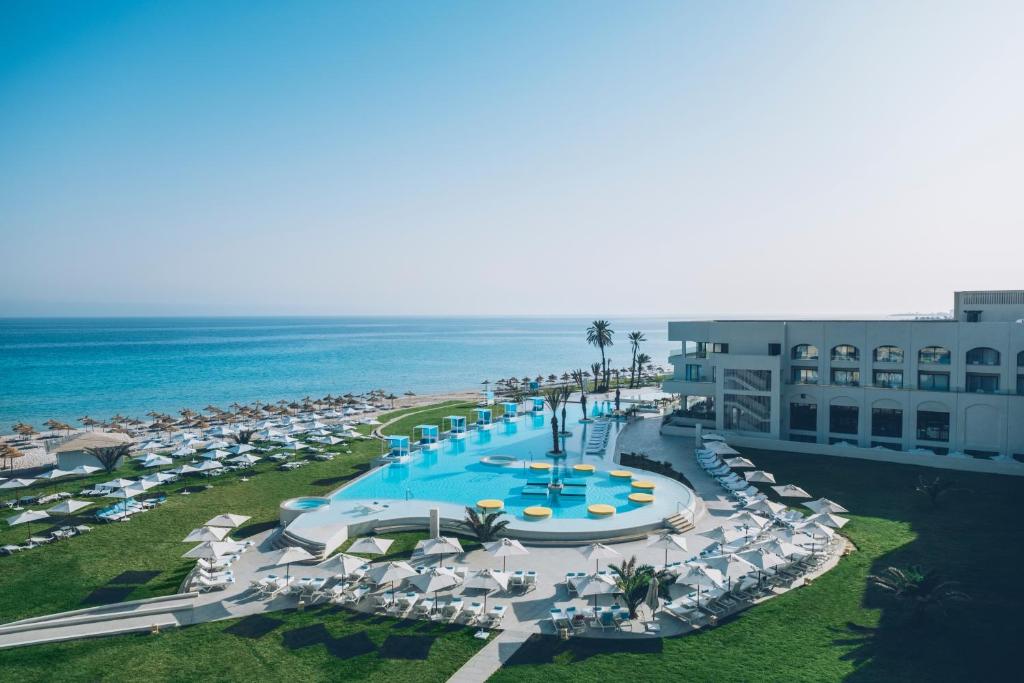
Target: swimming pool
(454,473)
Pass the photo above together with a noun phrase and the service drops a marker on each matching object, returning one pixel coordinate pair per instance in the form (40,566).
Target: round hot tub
(499,460)
(293,507)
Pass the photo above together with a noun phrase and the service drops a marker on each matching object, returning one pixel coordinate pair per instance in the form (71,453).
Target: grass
(839,628)
(209,652)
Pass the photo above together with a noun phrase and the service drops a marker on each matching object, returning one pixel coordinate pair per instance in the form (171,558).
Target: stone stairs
(679,523)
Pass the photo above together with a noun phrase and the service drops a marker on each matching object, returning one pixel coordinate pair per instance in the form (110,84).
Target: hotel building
(943,387)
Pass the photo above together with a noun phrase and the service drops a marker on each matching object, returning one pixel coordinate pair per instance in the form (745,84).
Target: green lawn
(838,628)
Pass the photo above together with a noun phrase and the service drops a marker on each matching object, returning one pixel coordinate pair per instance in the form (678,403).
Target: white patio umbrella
(27,517)
(505,548)
(488,580)
(17,483)
(437,579)
(209,466)
(345,563)
(652,599)
(130,491)
(206,533)
(158,477)
(759,476)
(116,483)
(441,546)
(825,505)
(245,459)
(370,545)
(829,520)
(286,556)
(156,461)
(730,565)
(183,451)
(668,541)
(228,520)
(389,572)
(594,585)
(739,462)
(783,548)
(790,491)
(211,550)
(68,507)
(766,507)
(724,535)
(712,436)
(55,473)
(763,559)
(239,449)
(82,470)
(720,448)
(700,577)
(151,446)
(598,552)
(184,469)
(215,454)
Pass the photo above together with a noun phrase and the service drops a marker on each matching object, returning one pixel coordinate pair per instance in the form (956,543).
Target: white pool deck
(526,613)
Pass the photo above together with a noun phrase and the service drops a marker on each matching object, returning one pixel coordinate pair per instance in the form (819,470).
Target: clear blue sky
(521,157)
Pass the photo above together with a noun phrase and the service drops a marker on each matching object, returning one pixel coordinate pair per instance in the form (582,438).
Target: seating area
(597,439)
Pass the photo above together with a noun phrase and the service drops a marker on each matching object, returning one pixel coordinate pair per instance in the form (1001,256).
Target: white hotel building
(953,387)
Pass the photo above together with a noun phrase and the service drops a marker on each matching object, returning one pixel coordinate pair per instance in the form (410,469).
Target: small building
(74,452)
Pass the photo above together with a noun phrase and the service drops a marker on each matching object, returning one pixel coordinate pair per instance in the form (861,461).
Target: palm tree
(642,359)
(554,397)
(922,589)
(934,488)
(636,337)
(633,582)
(485,528)
(243,436)
(109,456)
(595,369)
(600,334)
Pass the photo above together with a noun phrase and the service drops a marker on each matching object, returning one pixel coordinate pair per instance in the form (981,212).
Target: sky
(508,158)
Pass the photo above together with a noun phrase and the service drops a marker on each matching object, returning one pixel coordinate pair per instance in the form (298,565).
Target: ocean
(65,368)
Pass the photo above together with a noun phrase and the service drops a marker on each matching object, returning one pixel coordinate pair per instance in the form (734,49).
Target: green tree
(595,369)
(934,488)
(484,528)
(243,436)
(600,334)
(633,581)
(642,360)
(109,456)
(554,397)
(636,337)
(922,589)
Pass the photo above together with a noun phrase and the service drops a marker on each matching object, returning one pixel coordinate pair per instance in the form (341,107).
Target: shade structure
(441,546)
(784,548)
(209,466)
(437,579)
(156,461)
(17,483)
(748,519)
(594,585)
(68,507)
(55,473)
(488,580)
(505,548)
(700,577)
(211,550)
(83,470)
(766,507)
(287,556)
(828,519)
(825,505)
(739,462)
(119,483)
(652,599)
(245,459)
(239,449)
(730,565)
(215,454)
(720,448)
(667,541)
(724,535)
(183,452)
(790,491)
(206,533)
(387,572)
(158,477)
(127,492)
(151,446)
(228,520)
(815,528)
(26,517)
(762,558)
(598,552)
(712,436)
(370,545)
(759,476)
(342,563)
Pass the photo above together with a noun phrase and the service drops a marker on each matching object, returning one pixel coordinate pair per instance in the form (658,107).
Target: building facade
(919,386)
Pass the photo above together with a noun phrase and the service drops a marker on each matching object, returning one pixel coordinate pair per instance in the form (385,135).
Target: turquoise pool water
(307,503)
(454,474)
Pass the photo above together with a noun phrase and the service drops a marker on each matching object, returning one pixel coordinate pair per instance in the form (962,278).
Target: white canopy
(730,565)
(85,469)
(595,584)
(766,507)
(505,547)
(69,506)
(17,483)
(437,579)
(156,461)
(55,473)
(721,448)
(228,520)
(245,459)
(442,545)
(790,491)
(829,520)
(739,462)
(240,448)
(346,564)
(487,579)
(27,516)
(389,572)
(724,535)
(697,575)
(206,533)
(210,550)
(759,476)
(825,505)
(183,451)
(370,545)
(214,454)
(115,484)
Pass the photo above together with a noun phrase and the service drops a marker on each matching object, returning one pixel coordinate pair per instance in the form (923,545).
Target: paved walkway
(492,657)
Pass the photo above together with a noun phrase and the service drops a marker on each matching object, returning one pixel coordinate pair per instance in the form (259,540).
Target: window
(1020,384)
(704,348)
(933,381)
(694,373)
(747,413)
(978,383)
(887,422)
(803,416)
(845,352)
(1020,359)
(888,354)
(972,316)
(843,419)
(846,378)
(775,349)
(805,352)
(719,348)
(888,379)
(932,425)
(934,354)
(804,375)
(748,380)
(983,356)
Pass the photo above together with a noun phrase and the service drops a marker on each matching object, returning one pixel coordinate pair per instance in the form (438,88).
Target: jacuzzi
(293,507)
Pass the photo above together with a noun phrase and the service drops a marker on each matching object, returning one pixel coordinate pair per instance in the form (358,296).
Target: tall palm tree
(920,588)
(109,456)
(595,369)
(553,397)
(636,337)
(642,360)
(632,581)
(600,334)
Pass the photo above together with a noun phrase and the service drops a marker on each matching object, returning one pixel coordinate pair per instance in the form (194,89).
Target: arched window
(845,352)
(805,352)
(934,354)
(888,354)
(983,356)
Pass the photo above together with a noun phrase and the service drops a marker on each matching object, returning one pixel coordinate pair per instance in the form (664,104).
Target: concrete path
(484,663)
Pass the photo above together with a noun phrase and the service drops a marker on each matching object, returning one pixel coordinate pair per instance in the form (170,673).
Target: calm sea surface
(69,367)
